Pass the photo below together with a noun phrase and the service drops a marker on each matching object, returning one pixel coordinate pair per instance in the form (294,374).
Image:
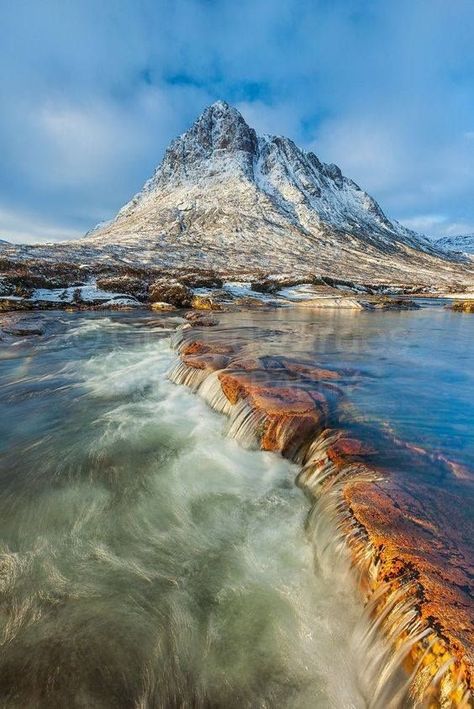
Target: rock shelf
(410,546)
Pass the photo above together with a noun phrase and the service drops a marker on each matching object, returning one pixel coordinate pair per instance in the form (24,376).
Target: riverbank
(31,284)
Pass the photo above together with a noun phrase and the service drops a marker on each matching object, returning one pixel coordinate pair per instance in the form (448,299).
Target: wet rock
(290,417)
(235,385)
(204,302)
(170,291)
(410,545)
(201,320)
(198,347)
(247,364)
(394,304)
(464,306)
(12,304)
(201,279)
(250,302)
(136,287)
(407,529)
(162,306)
(311,371)
(210,361)
(347,449)
(22,325)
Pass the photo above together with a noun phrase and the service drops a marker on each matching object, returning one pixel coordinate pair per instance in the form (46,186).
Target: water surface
(146,559)
(150,561)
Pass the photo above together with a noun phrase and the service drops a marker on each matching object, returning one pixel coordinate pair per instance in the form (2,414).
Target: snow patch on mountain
(225,198)
(461,244)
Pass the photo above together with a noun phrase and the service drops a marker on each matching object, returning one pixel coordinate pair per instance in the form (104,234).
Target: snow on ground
(243,289)
(87,293)
(302,292)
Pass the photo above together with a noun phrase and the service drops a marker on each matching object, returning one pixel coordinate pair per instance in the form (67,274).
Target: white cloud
(91,95)
(437,225)
(22,228)
(367,149)
(278,119)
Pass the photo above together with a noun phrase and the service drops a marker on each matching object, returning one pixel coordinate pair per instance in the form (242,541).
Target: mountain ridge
(459,243)
(220,143)
(225,197)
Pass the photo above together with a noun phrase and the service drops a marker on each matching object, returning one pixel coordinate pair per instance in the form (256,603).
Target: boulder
(165,290)
(463,306)
(162,306)
(199,319)
(10,304)
(136,287)
(205,302)
(266,285)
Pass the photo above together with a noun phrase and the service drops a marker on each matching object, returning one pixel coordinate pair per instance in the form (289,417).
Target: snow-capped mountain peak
(220,150)
(226,197)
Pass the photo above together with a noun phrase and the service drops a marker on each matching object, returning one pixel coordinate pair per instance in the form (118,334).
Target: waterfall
(399,654)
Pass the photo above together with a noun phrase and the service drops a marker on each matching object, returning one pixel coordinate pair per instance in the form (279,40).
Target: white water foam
(151,561)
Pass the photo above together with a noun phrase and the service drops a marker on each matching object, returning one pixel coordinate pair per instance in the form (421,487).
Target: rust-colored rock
(311,372)
(425,534)
(210,361)
(247,364)
(199,347)
(405,526)
(202,302)
(463,306)
(235,385)
(287,433)
(346,449)
(199,319)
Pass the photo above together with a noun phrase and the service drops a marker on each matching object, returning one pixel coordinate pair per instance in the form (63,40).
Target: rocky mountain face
(226,198)
(461,244)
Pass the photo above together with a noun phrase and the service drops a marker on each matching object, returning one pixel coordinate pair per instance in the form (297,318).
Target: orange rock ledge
(412,547)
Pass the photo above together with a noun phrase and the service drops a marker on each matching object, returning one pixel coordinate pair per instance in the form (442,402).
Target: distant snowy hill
(461,244)
(227,198)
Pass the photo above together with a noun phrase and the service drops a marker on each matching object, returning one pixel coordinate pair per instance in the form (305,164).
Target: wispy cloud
(29,229)
(92,93)
(438,225)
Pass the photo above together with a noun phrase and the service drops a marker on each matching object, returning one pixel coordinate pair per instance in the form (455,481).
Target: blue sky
(92,92)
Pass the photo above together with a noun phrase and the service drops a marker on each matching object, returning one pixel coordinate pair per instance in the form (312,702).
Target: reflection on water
(417,365)
(147,560)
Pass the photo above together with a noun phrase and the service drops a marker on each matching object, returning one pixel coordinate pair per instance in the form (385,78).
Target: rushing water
(150,561)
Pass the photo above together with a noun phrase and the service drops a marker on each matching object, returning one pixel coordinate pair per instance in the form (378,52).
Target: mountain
(227,198)
(461,244)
